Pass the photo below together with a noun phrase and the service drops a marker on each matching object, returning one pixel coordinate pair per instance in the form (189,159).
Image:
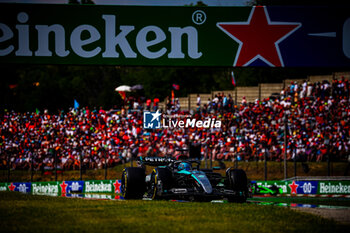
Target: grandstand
(318,129)
(252,93)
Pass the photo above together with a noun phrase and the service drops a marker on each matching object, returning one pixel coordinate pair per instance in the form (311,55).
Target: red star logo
(258,38)
(63,188)
(12,187)
(293,187)
(117,186)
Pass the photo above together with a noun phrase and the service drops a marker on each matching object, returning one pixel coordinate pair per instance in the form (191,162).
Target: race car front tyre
(161,180)
(238,182)
(133,184)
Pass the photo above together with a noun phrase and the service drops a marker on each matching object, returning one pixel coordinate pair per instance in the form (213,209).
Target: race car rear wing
(155,161)
(163,161)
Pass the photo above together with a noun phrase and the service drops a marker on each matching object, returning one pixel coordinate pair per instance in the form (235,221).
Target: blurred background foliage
(55,87)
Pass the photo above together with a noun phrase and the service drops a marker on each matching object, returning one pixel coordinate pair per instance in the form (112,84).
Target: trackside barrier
(62,188)
(311,187)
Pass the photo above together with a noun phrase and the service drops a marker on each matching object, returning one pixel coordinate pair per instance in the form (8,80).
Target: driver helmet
(184,166)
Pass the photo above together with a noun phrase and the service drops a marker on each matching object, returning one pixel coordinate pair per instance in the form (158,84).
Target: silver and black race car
(182,180)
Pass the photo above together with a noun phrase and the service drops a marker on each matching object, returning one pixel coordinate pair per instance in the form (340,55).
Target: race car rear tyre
(238,182)
(133,184)
(161,179)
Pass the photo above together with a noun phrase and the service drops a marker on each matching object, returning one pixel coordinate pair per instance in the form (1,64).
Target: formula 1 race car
(183,180)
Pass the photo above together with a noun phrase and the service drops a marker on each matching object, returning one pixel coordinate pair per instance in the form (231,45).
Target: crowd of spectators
(317,118)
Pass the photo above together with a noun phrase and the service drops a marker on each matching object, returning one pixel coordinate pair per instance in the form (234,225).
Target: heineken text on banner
(272,36)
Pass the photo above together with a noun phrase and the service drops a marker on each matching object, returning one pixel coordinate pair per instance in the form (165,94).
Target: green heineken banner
(175,36)
(283,185)
(3,187)
(102,186)
(50,188)
(333,187)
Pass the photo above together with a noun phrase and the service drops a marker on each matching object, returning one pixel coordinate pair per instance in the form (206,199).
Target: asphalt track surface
(337,213)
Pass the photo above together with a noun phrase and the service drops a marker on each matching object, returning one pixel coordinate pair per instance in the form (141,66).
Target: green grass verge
(254,170)
(26,213)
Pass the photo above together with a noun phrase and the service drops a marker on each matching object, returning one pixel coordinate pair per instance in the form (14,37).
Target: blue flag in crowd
(76,104)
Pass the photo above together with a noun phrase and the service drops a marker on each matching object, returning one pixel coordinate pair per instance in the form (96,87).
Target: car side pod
(133,184)
(238,182)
